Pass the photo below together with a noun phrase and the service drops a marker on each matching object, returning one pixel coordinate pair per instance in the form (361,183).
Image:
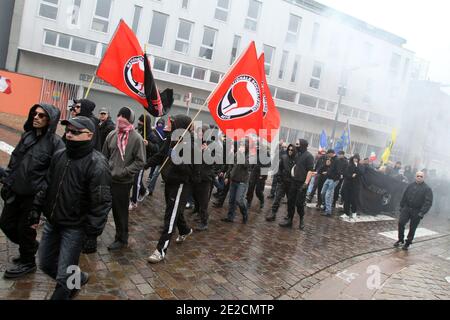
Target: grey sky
(424,24)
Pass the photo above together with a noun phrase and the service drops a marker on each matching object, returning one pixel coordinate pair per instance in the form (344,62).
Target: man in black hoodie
(76,204)
(178,180)
(286,164)
(304,163)
(105,126)
(85,108)
(24,179)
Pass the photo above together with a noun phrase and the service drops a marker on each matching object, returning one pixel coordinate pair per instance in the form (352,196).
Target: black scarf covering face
(78,149)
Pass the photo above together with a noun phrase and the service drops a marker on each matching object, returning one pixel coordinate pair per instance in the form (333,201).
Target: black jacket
(417,197)
(333,172)
(30,160)
(152,147)
(104,128)
(286,164)
(304,162)
(78,193)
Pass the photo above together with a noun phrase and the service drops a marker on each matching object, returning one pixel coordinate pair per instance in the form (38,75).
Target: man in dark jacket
(304,163)
(76,204)
(416,202)
(333,176)
(237,176)
(125,150)
(342,164)
(178,180)
(105,126)
(157,136)
(85,108)
(257,180)
(286,164)
(24,178)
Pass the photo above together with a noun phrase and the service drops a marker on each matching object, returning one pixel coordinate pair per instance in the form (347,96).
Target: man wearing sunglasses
(24,178)
(76,204)
(85,108)
(416,202)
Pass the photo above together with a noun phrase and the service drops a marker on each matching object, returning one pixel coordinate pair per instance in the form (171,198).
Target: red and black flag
(125,67)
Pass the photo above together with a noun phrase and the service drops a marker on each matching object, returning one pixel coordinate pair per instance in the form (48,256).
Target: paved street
(330,259)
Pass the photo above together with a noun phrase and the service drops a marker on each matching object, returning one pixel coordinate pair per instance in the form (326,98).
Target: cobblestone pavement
(257,260)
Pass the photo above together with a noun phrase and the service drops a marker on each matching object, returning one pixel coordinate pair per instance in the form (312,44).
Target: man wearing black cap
(178,180)
(85,108)
(76,203)
(22,181)
(125,150)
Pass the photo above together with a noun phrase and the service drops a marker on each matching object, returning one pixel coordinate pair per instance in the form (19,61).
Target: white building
(310,51)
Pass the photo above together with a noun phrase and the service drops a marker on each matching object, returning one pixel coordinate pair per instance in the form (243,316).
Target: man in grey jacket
(125,150)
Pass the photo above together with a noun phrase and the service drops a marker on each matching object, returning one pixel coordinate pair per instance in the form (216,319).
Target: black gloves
(34,217)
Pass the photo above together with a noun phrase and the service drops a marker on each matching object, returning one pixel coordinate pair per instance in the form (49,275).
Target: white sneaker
(344,216)
(354,215)
(156,257)
(183,237)
(132,206)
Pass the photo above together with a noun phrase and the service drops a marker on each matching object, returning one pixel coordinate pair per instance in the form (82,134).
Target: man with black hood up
(304,163)
(85,108)
(24,179)
(157,136)
(178,179)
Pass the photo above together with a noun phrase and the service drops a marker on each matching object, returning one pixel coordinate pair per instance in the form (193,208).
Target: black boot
(20,269)
(302,223)
(271,217)
(286,223)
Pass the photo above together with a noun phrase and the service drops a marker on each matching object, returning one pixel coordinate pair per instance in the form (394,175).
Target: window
(315,35)
(222,10)
(269,53)
(183,36)
(286,95)
(284,59)
(207,48)
(100,22)
(322,105)
(254,8)
(50,38)
(293,28)
(49,9)
(345,110)
(295,68)
(307,100)
(355,113)
(84,46)
(186,70)
(405,68)
(363,114)
(395,64)
(158,29)
(64,41)
(174,67)
(75,18)
(136,18)
(331,106)
(215,77)
(316,74)
(160,64)
(199,73)
(234,50)
(184,4)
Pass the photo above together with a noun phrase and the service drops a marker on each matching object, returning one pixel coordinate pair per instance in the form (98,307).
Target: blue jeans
(238,191)
(311,186)
(60,248)
(328,193)
(152,178)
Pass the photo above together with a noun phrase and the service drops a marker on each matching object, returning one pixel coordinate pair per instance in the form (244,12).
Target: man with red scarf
(125,150)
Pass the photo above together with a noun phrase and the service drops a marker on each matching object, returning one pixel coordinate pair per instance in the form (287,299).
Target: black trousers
(411,215)
(337,190)
(138,186)
(320,184)
(281,192)
(256,185)
(201,192)
(275,183)
(350,196)
(120,202)
(14,223)
(296,198)
(176,198)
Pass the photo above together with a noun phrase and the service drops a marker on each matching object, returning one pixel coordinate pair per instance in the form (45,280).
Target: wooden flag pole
(89,87)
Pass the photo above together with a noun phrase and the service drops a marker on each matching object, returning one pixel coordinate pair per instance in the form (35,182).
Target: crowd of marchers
(71,183)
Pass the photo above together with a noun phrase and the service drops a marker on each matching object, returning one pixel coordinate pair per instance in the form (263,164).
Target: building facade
(311,51)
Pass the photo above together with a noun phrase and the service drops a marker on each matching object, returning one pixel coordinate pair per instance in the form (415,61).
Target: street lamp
(342,90)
